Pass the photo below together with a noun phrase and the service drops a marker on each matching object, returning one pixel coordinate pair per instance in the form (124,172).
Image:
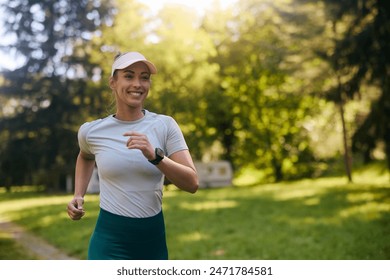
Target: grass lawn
(11,250)
(303,220)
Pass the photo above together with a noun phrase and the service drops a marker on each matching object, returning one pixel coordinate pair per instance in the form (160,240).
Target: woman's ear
(112,83)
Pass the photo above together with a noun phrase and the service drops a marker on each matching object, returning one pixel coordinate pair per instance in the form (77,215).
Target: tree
(362,54)
(181,51)
(260,120)
(40,132)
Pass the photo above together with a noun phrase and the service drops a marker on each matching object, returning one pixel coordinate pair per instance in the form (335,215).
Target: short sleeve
(175,139)
(82,138)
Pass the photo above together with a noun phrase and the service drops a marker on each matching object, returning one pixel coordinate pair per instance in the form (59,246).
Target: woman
(133,150)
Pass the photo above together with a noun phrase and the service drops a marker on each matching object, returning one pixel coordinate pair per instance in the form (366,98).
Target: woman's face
(131,85)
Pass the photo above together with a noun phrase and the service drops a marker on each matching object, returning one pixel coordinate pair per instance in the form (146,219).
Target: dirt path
(36,245)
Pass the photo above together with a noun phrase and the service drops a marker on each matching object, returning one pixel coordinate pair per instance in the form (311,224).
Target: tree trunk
(347,157)
(340,95)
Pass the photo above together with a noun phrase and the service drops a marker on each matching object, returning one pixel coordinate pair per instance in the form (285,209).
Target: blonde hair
(118,54)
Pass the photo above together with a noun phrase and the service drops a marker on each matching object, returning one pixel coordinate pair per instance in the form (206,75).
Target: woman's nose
(136,82)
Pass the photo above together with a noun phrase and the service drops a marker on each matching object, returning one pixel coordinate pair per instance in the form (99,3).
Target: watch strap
(158,158)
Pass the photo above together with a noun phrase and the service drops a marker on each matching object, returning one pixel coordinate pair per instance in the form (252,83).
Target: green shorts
(123,238)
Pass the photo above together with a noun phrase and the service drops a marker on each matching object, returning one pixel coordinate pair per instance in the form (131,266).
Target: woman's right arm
(84,167)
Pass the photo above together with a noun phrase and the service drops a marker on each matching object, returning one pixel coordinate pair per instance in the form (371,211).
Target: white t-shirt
(129,184)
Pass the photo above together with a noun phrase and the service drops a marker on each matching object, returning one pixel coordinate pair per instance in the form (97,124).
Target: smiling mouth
(132,93)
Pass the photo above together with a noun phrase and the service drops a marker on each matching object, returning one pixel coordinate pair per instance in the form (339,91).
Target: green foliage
(185,76)
(39,131)
(260,121)
(361,31)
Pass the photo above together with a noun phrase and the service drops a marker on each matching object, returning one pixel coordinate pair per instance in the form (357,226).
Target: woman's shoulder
(165,122)
(90,124)
(159,117)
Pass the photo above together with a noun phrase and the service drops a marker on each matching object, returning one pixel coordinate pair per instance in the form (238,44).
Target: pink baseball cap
(128,58)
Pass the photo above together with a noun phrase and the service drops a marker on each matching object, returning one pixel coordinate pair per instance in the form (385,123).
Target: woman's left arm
(180,171)
(178,167)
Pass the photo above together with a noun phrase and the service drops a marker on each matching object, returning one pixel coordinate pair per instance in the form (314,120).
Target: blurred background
(293,88)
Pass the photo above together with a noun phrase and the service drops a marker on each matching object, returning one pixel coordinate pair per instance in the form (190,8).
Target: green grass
(11,250)
(308,219)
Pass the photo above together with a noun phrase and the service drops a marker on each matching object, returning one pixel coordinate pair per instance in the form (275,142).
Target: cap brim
(127,59)
(126,64)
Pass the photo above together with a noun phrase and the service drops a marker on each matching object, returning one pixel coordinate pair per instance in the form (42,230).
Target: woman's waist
(123,225)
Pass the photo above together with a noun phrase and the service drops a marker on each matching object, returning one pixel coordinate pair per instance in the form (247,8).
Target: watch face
(160,152)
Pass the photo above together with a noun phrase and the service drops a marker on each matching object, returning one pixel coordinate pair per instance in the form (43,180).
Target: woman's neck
(129,115)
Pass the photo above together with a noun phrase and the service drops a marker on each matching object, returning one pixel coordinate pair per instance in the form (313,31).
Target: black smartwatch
(159,156)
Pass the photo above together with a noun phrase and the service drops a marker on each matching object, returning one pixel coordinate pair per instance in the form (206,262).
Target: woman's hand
(75,208)
(178,168)
(141,142)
